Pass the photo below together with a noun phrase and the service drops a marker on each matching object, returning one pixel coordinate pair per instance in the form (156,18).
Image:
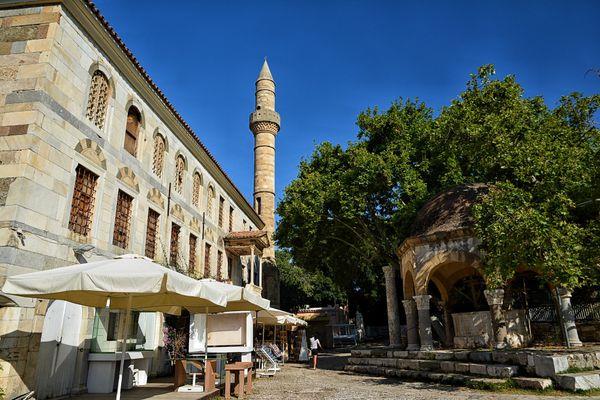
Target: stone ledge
(532,383)
(579,381)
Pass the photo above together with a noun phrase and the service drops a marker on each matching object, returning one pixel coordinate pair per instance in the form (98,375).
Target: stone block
(481,356)
(425,355)
(429,365)
(401,363)
(463,368)
(486,383)
(478,369)
(447,366)
(400,353)
(444,355)
(502,371)
(388,362)
(375,361)
(532,383)
(461,355)
(579,381)
(411,364)
(549,366)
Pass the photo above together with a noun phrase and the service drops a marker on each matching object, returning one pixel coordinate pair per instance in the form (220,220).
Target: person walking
(315,344)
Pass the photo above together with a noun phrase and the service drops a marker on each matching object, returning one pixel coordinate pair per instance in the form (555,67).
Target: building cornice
(99,30)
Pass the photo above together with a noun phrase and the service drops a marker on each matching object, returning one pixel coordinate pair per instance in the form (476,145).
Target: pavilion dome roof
(448,211)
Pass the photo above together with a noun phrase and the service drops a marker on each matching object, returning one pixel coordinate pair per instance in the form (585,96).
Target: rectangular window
(244,224)
(151,233)
(221,206)
(207,260)
(192,256)
(174,250)
(258,205)
(230,219)
(122,218)
(82,205)
(230,268)
(219,265)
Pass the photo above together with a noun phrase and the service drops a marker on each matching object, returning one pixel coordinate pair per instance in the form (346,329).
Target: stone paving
(330,382)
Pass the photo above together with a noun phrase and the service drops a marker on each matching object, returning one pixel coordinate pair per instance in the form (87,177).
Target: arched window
(134,118)
(98,99)
(209,201)
(196,189)
(159,155)
(179,170)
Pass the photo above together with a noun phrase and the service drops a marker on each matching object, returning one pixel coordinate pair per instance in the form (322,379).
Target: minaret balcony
(265,116)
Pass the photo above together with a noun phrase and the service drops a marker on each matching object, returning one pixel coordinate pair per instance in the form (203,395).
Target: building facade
(95,162)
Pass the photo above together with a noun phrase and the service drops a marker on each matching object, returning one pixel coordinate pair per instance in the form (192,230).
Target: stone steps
(527,369)
(460,367)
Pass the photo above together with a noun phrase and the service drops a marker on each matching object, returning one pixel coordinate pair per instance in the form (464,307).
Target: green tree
(351,207)
(300,287)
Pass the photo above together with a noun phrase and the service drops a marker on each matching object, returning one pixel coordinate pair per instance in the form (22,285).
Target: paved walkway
(330,382)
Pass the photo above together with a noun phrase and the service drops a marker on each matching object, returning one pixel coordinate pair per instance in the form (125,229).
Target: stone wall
(46,65)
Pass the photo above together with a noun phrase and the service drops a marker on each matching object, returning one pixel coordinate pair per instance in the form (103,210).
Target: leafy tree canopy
(350,207)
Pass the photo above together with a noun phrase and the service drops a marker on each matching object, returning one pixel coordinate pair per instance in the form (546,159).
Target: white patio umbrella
(126,282)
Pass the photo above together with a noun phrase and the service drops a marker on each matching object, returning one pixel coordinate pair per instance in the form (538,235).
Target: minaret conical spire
(265,72)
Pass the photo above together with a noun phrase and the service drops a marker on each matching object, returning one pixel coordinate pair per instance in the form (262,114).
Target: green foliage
(300,287)
(350,208)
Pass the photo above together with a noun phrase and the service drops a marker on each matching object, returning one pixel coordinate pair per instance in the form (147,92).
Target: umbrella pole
(263,335)
(123,347)
(206,339)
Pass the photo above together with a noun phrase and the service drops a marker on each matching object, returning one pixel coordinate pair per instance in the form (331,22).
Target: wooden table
(241,387)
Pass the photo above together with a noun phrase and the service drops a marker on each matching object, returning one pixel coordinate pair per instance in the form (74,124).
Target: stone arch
(197,185)
(138,106)
(92,151)
(127,176)
(155,197)
(429,267)
(160,132)
(99,66)
(409,285)
(179,154)
(177,212)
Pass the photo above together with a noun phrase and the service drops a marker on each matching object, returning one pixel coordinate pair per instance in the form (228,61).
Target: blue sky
(333,59)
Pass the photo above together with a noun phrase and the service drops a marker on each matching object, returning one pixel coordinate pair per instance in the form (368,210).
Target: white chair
(134,374)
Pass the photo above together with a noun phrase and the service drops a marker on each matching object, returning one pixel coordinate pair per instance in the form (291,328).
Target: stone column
(392,305)
(412,332)
(422,303)
(495,298)
(568,317)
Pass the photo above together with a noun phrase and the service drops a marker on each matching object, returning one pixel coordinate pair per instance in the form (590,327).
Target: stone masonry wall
(46,62)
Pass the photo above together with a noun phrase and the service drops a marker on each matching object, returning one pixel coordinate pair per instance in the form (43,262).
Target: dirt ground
(329,381)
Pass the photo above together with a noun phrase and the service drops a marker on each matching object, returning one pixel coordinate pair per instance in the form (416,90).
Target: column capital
(494,296)
(422,301)
(564,293)
(389,271)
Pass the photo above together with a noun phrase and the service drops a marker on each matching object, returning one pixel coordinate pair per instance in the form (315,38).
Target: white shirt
(314,343)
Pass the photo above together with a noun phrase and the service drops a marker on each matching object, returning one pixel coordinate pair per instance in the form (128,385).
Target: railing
(582,312)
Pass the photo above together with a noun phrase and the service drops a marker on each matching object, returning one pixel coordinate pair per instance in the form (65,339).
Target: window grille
(219,265)
(192,257)
(122,217)
(221,206)
(82,205)
(197,184)
(207,260)
(230,219)
(151,233)
(98,99)
(179,170)
(174,250)
(159,155)
(209,201)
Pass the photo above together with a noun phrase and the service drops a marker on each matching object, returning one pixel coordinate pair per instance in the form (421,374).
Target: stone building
(95,162)
(442,287)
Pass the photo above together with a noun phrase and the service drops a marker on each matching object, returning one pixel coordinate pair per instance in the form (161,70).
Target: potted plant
(175,341)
